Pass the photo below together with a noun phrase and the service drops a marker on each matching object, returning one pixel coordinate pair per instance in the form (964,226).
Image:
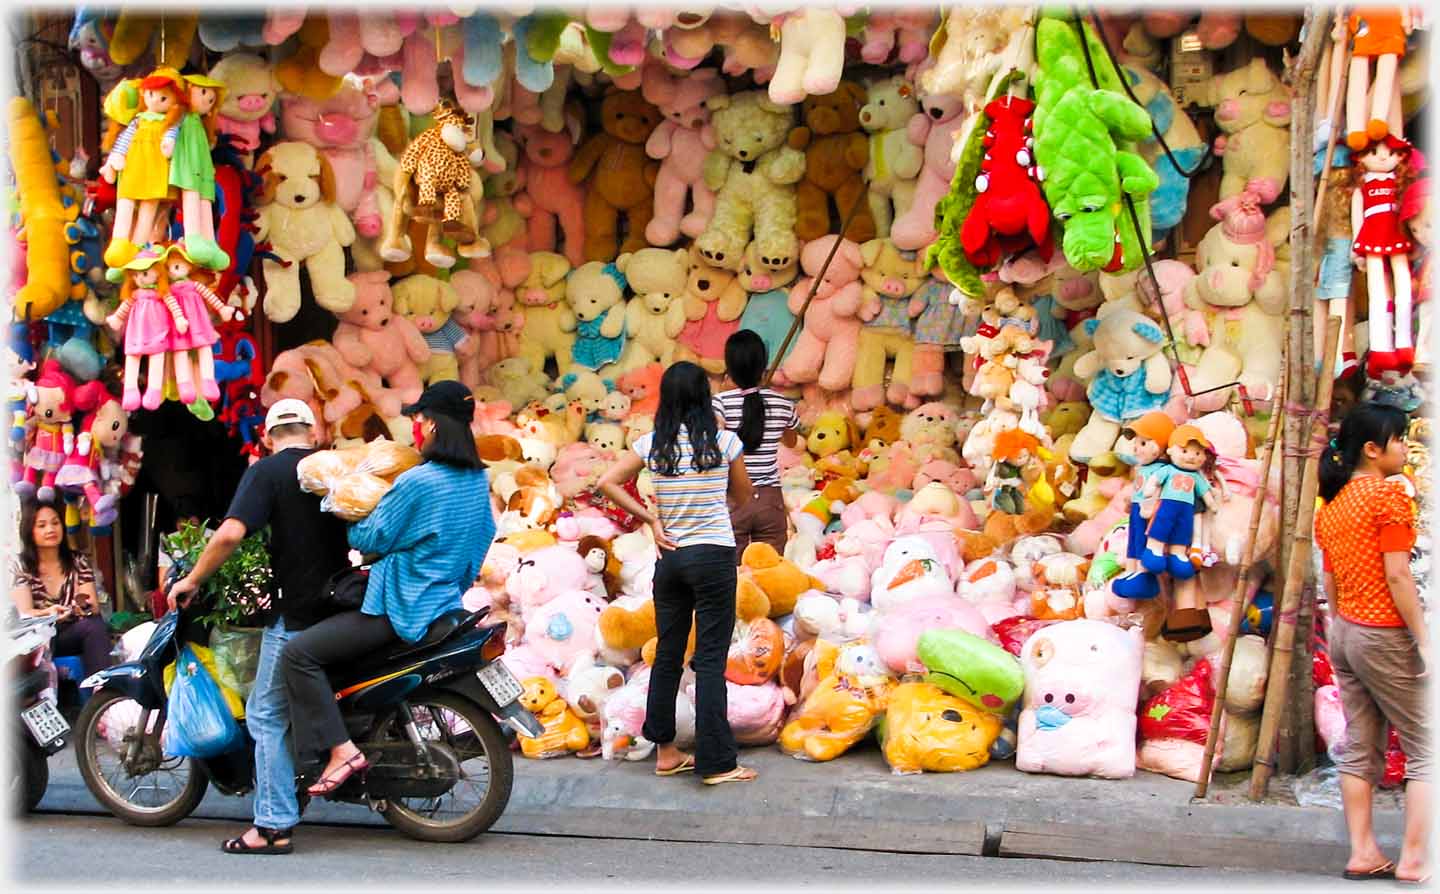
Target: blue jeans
(267,716)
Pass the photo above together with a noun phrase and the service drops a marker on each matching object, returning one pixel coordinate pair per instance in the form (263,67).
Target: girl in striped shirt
(763,420)
(696,470)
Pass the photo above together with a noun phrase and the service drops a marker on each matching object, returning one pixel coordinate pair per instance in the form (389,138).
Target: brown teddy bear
(619,177)
(836,152)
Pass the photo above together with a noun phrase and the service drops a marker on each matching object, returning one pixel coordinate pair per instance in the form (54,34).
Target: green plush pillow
(972,669)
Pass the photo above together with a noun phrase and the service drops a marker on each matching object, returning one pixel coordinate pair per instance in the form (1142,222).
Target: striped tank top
(763,463)
(692,504)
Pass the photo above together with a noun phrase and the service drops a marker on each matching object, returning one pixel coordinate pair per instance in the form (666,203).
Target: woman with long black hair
(696,468)
(49,579)
(763,420)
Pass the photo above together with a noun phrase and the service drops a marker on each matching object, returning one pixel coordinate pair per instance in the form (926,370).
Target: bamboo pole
(1277,687)
(1242,586)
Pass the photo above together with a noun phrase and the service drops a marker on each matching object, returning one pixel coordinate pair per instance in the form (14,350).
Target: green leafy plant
(237,593)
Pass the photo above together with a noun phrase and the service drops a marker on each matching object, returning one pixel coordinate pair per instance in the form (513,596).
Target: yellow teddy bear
(428,303)
(564,730)
(927,728)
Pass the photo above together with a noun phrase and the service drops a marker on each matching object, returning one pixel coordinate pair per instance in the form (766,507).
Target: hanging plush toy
(1009,215)
(54,435)
(139,164)
(1415,213)
(99,441)
(438,164)
(192,289)
(1375,216)
(45,284)
(1379,34)
(193,173)
(149,316)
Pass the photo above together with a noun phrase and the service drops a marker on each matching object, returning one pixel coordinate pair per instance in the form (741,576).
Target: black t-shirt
(307,544)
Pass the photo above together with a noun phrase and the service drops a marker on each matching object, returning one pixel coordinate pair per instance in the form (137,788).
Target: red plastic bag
(1394,762)
(1015,630)
(1183,710)
(1320,670)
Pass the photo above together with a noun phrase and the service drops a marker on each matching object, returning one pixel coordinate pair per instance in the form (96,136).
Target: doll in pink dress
(100,437)
(149,316)
(1384,249)
(197,300)
(53,436)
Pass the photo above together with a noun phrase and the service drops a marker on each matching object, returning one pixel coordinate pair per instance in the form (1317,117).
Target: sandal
(736,775)
(687,763)
(330,783)
(239,846)
(1383,871)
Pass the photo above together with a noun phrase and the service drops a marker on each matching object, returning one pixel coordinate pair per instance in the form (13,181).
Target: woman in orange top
(1379,644)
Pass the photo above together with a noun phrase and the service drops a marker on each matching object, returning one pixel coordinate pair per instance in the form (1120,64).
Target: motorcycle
(424,713)
(43,731)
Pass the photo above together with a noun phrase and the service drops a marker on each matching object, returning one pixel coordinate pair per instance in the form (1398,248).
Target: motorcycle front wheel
(487,771)
(124,769)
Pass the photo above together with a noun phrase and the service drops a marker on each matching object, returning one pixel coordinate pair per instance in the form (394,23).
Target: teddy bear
(934,130)
(297,214)
(618,175)
(642,386)
(429,304)
(1252,110)
(895,161)
(748,44)
(767,311)
(836,153)
(970,46)
(317,374)
(486,311)
(753,173)
(655,316)
(555,200)
(886,30)
(1128,377)
(714,303)
(825,350)
(1241,292)
(564,731)
(779,580)
(842,708)
(929,429)
(595,292)
(518,382)
(549,321)
(506,206)
(890,278)
(681,143)
(812,50)
(373,336)
(586,387)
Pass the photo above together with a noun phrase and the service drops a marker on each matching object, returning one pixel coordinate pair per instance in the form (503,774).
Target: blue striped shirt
(444,339)
(692,504)
(433,529)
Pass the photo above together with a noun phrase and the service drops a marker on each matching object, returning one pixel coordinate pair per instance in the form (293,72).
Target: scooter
(43,731)
(425,714)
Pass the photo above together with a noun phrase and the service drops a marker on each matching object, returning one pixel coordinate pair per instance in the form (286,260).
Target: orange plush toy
(564,730)
(843,707)
(618,176)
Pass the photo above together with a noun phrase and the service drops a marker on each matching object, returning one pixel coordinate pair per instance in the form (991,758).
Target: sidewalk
(855,803)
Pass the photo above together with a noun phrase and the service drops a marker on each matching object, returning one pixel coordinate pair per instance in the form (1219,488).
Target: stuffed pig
(1252,110)
(1082,679)
(897,632)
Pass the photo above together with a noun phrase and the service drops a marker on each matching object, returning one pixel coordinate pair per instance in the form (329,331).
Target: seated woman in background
(49,579)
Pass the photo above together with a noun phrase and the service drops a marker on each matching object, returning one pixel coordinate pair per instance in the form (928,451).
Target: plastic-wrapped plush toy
(1082,679)
(1175,724)
(756,650)
(842,709)
(756,713)
(928,729)
(911,570)
(139,164)
(973,668)
(352,481)
(564,732)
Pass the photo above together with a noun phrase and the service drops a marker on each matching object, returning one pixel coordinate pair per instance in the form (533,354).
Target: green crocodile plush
(1085,138)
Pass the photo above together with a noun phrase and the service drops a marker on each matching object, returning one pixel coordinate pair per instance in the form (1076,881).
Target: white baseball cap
(289,411)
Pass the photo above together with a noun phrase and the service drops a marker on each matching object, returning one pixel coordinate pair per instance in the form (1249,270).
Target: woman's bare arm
(740,490)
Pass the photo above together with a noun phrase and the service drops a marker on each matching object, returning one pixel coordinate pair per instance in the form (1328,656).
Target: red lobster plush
(1010,214)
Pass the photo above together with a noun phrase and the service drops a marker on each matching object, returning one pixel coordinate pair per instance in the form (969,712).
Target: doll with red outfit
(54,434)
(1383,250)
(101,436)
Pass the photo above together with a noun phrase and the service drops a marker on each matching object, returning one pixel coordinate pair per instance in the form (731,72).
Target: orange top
(1369,517)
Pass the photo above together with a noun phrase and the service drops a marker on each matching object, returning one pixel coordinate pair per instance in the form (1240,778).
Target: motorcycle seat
(440,630)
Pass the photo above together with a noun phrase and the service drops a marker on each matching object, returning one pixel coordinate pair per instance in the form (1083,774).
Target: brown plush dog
(836,151)
(618,175)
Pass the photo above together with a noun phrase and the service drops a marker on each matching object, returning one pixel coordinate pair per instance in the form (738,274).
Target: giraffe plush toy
(436,181)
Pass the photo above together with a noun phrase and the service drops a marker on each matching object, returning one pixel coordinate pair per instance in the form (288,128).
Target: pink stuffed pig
(1082,680)
(562,630)
(545,574)
(343,129)
(897,632)
(556,200)
(681,143)
(756,713)
(825,351)
(933,128)
(373,337)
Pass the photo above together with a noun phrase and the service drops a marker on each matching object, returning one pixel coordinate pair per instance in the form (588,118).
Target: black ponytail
(1369,423)
(745,359)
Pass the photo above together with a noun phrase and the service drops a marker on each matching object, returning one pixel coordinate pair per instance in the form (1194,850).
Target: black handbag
(343,592)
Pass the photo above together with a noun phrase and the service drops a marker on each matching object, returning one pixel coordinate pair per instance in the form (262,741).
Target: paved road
(68,848)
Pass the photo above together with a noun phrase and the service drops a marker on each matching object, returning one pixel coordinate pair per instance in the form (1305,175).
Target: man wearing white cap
(307,546)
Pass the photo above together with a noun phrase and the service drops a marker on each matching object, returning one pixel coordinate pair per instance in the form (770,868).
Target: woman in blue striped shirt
(697,470)
(432,530)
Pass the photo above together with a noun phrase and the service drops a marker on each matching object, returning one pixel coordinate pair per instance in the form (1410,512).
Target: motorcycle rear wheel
(89,745)
(478,744)
(30,774)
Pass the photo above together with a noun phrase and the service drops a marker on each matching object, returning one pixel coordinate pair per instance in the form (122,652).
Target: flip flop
(735,775)
(238,846)
(1383,871)
(356,763)
(685,766)
(1412,882)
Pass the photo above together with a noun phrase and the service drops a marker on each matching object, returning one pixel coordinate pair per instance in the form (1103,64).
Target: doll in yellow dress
(139,164)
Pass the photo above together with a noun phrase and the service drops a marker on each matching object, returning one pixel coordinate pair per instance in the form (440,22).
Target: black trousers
(699,579)
(315,720)
(87,637)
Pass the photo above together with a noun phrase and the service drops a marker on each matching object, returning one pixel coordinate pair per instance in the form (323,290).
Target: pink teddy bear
(373,337)
(682,142)
(933,128)
(886,29)
(546,165)
(825,351)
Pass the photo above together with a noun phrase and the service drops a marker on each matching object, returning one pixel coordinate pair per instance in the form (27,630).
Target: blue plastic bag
(198,721)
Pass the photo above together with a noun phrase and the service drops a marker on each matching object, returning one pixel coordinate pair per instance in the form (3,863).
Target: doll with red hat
(139,164)
(1383,249)
(1415,214)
